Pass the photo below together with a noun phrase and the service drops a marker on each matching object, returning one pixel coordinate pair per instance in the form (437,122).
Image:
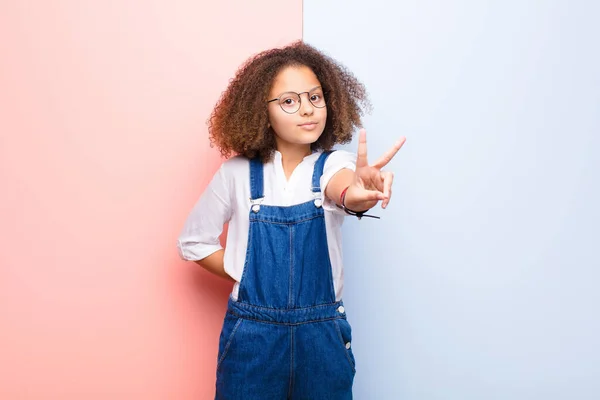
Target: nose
(306,107)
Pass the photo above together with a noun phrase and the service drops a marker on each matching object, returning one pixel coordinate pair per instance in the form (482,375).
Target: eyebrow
(289,91)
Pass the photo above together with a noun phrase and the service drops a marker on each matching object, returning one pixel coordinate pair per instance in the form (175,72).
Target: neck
(291,156)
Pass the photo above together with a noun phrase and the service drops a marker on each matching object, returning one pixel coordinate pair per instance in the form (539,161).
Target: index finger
(361,159)
(387,157)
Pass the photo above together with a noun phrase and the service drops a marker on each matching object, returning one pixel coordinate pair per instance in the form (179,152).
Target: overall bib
(285,337)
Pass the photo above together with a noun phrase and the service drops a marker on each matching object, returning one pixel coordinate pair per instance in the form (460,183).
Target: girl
(285,195)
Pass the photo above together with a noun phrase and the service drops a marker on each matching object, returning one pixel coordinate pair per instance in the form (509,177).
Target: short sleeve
(204,225)
(336,161)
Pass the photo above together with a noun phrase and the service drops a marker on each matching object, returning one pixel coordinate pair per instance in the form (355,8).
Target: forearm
(340,181)
(214,264)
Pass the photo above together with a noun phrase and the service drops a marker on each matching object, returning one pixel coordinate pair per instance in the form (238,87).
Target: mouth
(310,123)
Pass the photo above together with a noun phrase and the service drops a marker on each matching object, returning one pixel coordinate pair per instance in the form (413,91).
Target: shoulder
(235,167)
(341,159)
(231,175)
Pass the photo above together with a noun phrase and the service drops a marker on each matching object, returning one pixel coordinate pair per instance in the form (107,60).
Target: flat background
(103,152)
(481,279)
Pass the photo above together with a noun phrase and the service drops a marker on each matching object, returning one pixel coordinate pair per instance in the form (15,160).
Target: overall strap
(318,171)
(257,176)
(256,179)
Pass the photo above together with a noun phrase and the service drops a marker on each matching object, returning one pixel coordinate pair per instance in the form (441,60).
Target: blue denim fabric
(286,337)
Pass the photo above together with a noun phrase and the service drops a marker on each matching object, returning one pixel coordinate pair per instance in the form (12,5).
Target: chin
(310,140)
(309,137)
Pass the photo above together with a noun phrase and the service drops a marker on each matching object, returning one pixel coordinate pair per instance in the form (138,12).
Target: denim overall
(285,337)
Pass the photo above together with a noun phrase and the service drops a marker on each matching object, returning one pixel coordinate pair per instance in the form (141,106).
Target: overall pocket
(345,335)
(230,327)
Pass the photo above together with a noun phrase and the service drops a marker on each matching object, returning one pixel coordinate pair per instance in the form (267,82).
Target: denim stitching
(328,261)
(291,362)
(305,204)
(256,178)
(264,219)
(318,168)
(229,340)
(312,321)
(240,297)
(291,285)
(296,308)
(346,351)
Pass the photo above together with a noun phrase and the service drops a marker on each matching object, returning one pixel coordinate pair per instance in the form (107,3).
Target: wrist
(342,205)
(344,201)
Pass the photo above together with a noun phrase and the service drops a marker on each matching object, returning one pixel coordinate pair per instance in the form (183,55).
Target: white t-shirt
(227,199)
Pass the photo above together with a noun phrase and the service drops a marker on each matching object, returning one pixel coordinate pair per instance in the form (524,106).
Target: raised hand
(370,184)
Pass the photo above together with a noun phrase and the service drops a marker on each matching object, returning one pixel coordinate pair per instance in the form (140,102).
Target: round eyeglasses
(290,101)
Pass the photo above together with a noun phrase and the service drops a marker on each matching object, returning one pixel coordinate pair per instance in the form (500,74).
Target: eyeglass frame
(300,97)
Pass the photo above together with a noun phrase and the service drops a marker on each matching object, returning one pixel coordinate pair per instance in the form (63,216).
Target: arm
(214,264)
(340,181)
(199,240)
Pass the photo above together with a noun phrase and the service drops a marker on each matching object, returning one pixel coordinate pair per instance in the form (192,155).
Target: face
(305,126)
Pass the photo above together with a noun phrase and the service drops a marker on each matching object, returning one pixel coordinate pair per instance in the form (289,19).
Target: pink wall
(103,151)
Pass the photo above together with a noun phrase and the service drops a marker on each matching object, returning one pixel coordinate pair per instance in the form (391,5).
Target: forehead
(294,79)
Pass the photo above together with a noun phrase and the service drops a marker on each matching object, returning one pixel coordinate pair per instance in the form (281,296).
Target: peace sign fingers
(370,184)
(361,157)
(387,157)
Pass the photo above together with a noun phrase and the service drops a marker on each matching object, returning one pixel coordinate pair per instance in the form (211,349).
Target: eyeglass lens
(290,101)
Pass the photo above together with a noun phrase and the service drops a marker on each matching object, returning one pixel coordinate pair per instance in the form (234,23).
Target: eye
(315,97)
(288,101)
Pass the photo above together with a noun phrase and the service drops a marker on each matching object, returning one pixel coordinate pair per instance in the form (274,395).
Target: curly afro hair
(239,122)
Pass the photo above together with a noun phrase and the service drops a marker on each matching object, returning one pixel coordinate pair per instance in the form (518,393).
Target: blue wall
(481,279)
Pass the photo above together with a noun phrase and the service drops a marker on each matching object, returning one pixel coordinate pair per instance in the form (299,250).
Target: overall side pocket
(345,335)
(230,326)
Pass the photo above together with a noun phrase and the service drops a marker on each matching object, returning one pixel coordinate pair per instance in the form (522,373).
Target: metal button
(341,309)
(348,345)
(255,208)
(318,203)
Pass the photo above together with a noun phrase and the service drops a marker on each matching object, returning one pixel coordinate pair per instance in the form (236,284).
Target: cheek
(323,113)
(271,116)
(280,121)
(274,116)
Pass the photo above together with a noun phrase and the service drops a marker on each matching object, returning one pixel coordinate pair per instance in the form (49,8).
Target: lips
(308,123)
